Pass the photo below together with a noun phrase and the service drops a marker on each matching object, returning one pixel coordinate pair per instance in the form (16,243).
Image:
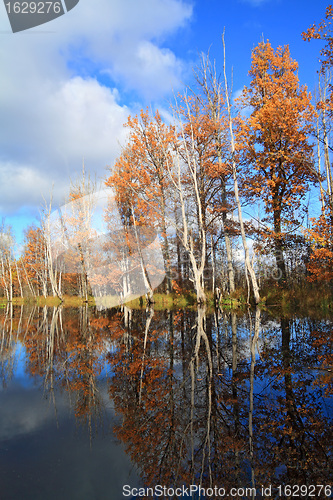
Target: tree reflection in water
(214,412)
(213,399)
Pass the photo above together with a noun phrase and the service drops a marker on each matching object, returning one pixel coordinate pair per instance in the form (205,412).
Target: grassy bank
(161,301)
(68,301)
(303,300)
(185,300)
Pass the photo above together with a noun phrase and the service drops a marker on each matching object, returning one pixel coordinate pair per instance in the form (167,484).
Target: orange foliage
(323,32)
(320,265)
(273,142)
(276,154)
(139,175)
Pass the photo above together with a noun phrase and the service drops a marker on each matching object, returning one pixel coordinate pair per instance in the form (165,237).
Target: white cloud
(88,121)
(81,120)
(55,112)
(26,186)
(133,51)
(156,71)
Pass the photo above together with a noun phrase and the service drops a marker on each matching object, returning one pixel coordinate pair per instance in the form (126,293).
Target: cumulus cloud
(19,182)
(87,121)
(63,85)
(79,120)
(156,71)
(128,39)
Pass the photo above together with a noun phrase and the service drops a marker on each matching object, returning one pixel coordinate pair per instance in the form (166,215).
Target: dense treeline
(190,179)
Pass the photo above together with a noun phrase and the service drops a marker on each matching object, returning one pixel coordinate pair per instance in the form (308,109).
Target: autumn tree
(320,235)
(323,32)
(202,128)
(6,260)
(53,242)
(274,139)
(188,174)
(210,95)
(77,220)
(34,265)
(140,178)
(199,175)
(324,104)
(174,177)
(249,270)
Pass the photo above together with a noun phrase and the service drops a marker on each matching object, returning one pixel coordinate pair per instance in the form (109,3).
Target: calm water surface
(91,401)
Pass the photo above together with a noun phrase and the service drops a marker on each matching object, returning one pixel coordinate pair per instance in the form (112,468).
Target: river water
(123,403)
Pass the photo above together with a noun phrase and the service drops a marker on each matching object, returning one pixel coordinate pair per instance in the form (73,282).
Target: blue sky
(68,86)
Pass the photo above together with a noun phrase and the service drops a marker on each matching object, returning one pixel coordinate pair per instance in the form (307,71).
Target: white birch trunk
(248,263)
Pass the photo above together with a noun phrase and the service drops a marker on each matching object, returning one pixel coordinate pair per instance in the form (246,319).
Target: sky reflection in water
(92,401)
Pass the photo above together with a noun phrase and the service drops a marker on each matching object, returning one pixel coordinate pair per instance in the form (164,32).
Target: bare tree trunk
(126,281)
(322,197)
(49,258)
(198,266)
(323,87)
(212,253)
(31,288)
(19,279)
(7,259)
(10,279)
(230,268)
(3,276)
(210,85)
(329,175)
(186,234)
(234,174)
(149,289)
(165,248)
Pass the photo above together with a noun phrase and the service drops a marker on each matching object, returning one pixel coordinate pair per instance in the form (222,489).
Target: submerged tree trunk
(150,314)
(254,342)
